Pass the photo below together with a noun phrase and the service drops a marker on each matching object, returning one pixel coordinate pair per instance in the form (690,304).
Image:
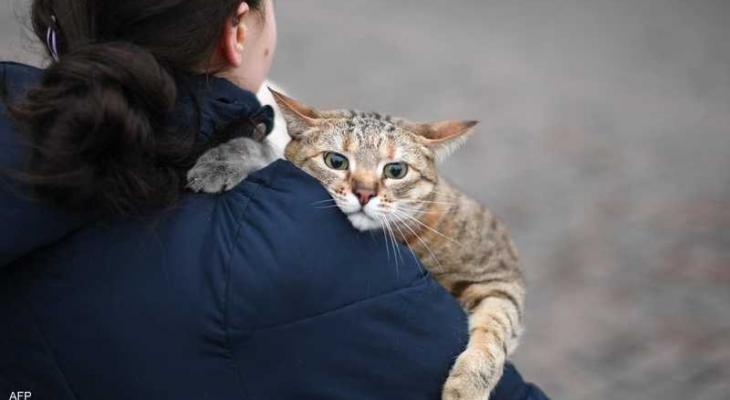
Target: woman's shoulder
(27,225)
(263,273)
(16,78)
(291,243)
(14,69)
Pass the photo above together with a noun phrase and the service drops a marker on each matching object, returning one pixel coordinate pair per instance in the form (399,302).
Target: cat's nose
(364,195)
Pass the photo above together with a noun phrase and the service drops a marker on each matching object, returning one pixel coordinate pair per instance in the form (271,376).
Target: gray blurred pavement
(604,144)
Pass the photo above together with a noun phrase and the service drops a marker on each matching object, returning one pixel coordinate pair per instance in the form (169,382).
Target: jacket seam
(228,268)
(421,283)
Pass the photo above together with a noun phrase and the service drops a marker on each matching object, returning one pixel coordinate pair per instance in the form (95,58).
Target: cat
(381,172)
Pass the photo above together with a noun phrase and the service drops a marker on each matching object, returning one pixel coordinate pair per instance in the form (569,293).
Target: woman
(117,286)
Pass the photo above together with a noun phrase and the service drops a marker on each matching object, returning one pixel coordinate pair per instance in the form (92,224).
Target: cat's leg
(495,324)
(223,167)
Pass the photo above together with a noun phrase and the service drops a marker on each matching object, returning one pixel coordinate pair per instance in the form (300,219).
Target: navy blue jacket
(252,294)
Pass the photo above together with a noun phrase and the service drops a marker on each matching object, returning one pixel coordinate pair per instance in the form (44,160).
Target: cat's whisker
(416,220)
(385,236)
(447,196)
(429,206)
(388,233)
(327,207)
(412,205)
(427,202)
(409,209)
(403,236)
(330,200)
(393,240)
(388,210)
(425,245)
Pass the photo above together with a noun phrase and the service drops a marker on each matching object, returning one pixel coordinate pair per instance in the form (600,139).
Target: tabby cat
(381,172)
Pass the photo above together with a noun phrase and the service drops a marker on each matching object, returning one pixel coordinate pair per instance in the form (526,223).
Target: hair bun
(98,126)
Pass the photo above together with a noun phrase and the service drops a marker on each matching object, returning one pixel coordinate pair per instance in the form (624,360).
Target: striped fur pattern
(461,243)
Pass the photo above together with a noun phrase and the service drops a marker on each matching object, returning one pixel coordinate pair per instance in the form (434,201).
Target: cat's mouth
(362,221)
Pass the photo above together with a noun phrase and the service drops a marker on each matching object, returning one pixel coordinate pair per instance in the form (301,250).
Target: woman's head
(234,38)
(98,121)
(247,46)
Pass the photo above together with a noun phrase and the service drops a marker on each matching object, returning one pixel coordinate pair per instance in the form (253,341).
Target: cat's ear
(299,117)
(443,137)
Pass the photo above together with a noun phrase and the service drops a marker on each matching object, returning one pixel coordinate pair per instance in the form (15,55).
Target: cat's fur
(460,242)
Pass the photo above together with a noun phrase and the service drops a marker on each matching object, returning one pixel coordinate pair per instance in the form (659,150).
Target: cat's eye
(336,161)
(396,170)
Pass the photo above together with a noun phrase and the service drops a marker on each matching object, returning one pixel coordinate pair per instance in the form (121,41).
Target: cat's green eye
(396,170)
(336,161)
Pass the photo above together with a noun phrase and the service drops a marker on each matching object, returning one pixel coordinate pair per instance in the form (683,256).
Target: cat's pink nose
(364,195)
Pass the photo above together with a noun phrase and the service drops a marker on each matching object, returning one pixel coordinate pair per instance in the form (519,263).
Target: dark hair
(97,123)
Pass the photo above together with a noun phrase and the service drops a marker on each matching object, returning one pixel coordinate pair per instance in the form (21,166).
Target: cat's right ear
(299,117)
(443,137)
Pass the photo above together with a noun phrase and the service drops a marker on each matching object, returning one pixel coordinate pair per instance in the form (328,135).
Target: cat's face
(379,171)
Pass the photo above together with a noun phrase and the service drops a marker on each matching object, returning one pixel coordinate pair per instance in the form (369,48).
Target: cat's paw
(219,169)
(223,167)
(473,377)
(214,177)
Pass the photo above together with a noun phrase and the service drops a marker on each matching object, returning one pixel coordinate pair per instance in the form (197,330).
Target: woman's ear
(299,117)
(442,137)
(235,34)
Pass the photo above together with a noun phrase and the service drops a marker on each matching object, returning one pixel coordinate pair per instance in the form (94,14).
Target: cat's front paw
(473,376)
(214,177)
(218,170)
(225,166)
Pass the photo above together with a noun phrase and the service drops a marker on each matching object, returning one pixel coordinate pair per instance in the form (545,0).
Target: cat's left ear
(445,136)
(299,117)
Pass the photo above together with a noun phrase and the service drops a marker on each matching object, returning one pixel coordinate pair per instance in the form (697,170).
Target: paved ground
(605,145)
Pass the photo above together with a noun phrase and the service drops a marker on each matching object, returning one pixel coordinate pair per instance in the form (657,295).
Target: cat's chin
(362,222)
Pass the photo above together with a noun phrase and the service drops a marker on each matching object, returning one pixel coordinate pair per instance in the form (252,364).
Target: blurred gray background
(604,144)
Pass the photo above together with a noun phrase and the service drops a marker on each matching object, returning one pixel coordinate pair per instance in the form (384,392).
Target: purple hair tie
(52,40)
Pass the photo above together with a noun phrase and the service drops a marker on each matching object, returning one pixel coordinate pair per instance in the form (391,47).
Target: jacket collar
(219,103)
